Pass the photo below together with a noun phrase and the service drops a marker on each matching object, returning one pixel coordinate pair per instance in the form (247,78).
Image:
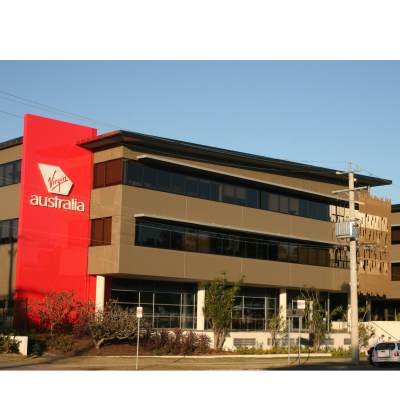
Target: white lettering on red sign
(139,312)
(55,202)
(55,179)
(301,304)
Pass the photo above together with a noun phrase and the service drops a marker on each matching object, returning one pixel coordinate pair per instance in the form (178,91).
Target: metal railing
(14,315)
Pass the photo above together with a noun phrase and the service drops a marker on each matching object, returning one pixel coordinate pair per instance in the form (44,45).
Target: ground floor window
(165,304)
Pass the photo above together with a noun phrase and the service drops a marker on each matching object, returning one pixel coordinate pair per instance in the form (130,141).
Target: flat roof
(11,143)
(123,137)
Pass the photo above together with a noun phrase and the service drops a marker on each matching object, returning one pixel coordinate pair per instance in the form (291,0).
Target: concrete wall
(387,328)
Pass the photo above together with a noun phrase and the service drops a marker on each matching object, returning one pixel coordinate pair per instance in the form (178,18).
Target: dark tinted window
(2,183)
(303,208)
(5,231)
(264,200)
(164,181)
(293,206)
(204,189)
(323,257)
(203,242)
(253,196)
(215,243)
(273,202)
(148,234)
(228,244)
(273,251)
(293,253)
(190,240)
(133,173)
(150,178)
(99,175)
(229,194)
(239,247)
(313,209)
(284,204)
(177,238)
(216,191)
(8,177)
(283,251)
(240,196)
(251,248)
(101,231)
(163,234)
(192,186)
(262,250)
(396,235)
(178,183)
(107,222)
(113,172)
(14,230)
(312,256)
(17,171)
(395,271)
(303,255)
(323,212)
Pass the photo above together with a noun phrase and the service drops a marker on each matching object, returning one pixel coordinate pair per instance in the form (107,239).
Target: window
(148,236)
(177,238)
(303,255)
(273,202)
(293,206)
(313,209)
(192,186)
(240,196)
(216,191)
(150,178)
(396,235)
(164,181)
(283,252)
(190,240)
(303,208)
(284,204)
(204,189)
(163,234)
(273,251)
(10,173)
(133,173)
(203,242)
(9,231)
(253,198)
(395,271)
(178,183)
(251,248)
(107,173)
(101,231)
(293,253)
(264,201)
(229,194)
(312,256)
(215,243)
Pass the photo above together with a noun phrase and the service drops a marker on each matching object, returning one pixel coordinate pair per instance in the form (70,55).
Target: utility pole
(353,268)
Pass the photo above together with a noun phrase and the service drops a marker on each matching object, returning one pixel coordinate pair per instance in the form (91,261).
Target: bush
(8,344)
(60,343)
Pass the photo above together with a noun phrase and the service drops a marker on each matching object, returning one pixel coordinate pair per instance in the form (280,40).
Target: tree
(218,306)
(277,324)
(314,315)
(110,322)
(55,309)
(365,330)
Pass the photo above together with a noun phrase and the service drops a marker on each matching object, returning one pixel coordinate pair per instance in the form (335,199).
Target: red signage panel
(54,225)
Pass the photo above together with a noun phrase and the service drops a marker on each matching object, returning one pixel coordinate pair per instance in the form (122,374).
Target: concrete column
(201,293)
(348,311)
(100,291)
(369,306)
(283,301)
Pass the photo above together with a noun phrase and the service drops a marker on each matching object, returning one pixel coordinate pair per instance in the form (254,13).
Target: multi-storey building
(146,220)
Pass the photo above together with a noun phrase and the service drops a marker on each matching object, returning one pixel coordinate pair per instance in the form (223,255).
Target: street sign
(301,304)
(139,312)
(295,313)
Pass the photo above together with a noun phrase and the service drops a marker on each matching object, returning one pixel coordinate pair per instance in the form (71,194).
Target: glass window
(113,172)
(177,238)
(229,194)
(303,208)
(215,243)
(395,272)
(264,200)
(17,171)
(188,299)
(240,196)
(163,234)
(99,175)
(283,251)
(133,173)
(5,232)
(294,206)
(271,303)
(239,247)
(253,197)
(97,232)
(312,256)
(14,230)
(150,178)
(273,251)
(146,297)
(164,181)
(125,296)
(254,302)
(323,212)
(396,235)
(178,183)
(167,298)
(204,189)
(190,240)
(273,202)
(303,255)
(192,186)
(284,204)
(107,222)
(2,183)
(293,253)
(9,174)
(216,191)
(228,244)
(323,257)
(148,234)
(313,209)
(262,250)
(251,248)
(165,310)
(203,242)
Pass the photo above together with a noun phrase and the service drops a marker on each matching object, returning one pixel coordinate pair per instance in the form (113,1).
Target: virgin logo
(55,179)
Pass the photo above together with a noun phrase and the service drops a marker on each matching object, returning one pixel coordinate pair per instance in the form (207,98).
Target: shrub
(60,343)
(8,344)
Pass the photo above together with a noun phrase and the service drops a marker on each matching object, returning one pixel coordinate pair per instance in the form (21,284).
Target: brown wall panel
(11,154)
(204,267)
(8,261)
(395,219)
(309,275)
(266,221)
(106,202)
(260,272)
(396,290)
(9,201)
(151,262)
(109,154)
(395,253)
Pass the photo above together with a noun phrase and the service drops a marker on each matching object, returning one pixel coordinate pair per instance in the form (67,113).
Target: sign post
(301,305)
(289,345)
(139,314)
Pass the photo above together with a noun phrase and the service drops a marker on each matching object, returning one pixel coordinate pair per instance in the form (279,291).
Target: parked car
(386,353)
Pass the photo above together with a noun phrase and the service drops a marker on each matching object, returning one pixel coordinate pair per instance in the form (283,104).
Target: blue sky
(324,113)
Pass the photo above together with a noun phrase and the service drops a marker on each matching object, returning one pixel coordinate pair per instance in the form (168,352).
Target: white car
(386,353)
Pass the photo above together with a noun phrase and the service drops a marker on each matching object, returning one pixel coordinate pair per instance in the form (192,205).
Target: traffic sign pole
(289,344)
(139,312)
